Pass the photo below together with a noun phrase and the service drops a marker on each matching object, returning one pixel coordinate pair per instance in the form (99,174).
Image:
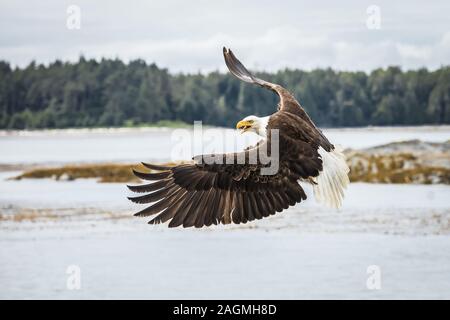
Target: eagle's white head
(254,124)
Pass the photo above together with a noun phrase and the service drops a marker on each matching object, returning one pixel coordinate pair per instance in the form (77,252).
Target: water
(155,144)
(307,251)
(239,264)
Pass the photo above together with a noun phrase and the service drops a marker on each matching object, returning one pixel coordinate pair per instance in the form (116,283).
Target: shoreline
(137,129)
(413,161)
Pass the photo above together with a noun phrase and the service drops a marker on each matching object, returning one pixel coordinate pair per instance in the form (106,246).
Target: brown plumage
(202,194)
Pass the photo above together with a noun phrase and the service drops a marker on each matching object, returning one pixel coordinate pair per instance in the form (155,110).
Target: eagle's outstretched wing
(288,103)
(229,189)
(240,71)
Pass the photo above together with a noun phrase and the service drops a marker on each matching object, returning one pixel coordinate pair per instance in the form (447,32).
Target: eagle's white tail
(333,179)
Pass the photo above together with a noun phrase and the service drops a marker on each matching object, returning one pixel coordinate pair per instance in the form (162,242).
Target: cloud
(278,48)
(189,38)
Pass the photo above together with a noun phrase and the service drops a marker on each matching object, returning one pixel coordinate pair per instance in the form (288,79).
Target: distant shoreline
(173,126)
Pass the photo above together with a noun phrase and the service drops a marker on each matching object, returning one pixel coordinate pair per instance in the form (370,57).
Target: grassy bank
(107,172)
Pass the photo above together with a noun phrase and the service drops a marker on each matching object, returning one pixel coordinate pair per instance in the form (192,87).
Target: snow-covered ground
(305,252)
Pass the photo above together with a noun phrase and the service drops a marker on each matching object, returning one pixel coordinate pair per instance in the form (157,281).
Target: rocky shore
(411,161)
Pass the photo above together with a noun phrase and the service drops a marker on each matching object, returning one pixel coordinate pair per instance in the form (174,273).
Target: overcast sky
(267,35)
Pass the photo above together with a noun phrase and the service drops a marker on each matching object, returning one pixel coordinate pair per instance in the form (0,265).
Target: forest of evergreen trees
(90,93)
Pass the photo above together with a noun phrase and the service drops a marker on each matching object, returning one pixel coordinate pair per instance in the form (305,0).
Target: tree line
(92,93)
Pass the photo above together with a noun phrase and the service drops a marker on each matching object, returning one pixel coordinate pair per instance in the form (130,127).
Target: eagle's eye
(250,121)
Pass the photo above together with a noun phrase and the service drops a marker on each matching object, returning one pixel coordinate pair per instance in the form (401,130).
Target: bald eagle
(204,193)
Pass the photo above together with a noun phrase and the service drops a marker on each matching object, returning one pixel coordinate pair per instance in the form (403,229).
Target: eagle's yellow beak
(244,125)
